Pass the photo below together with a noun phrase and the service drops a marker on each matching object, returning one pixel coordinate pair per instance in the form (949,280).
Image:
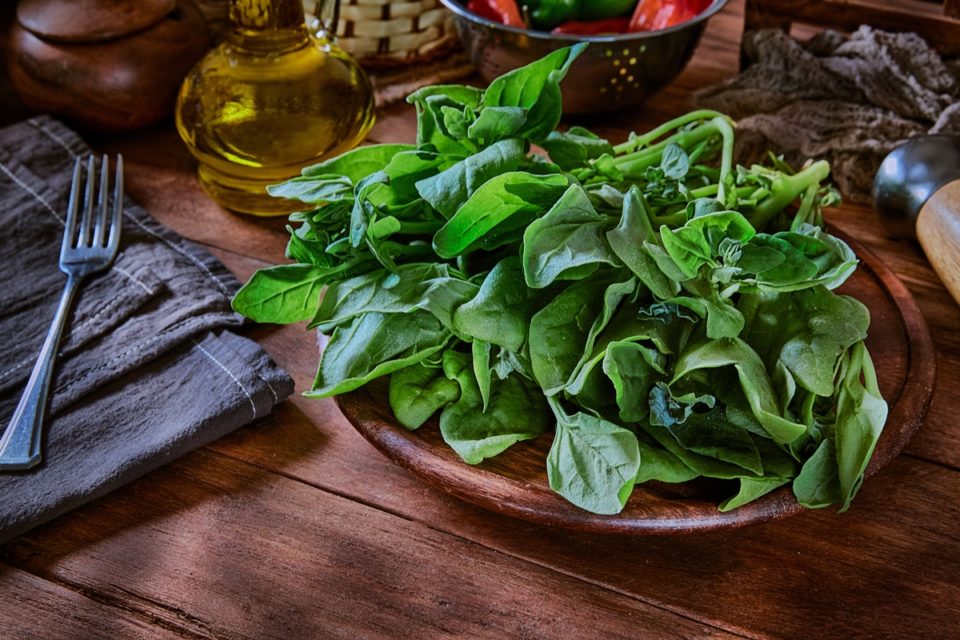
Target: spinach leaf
(751,489)
(575,147)
(818,483)
(675,163)
(697,242)
(633,369)
(807,331)
(861,414)
(516,193)
(497,123)
(517,411)
(353,165)
(433,103)
(417,392)
(565,329)
(536,88)
(593,463)
(314,189)
(568,243)
(427,286)
(628,240)
(375,344)
(283,294)
(657,463)
(501,311)
(449,189)
(753,378)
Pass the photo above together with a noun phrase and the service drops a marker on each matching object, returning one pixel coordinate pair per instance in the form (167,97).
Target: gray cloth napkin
(849,99)
(147,370)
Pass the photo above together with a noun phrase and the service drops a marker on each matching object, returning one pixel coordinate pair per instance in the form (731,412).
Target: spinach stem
(785,189)
(634,164)
(638,142)
(726,160)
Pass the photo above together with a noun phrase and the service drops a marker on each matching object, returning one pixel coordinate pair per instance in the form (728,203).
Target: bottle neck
(267,23)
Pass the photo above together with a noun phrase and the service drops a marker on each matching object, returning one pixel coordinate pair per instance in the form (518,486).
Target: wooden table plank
(231,551)
(37,609)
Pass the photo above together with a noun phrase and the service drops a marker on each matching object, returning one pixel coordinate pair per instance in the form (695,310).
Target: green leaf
(417,392)
(314,189)
(283,294)
(753,378)
(558,334)
(568,243)
(697,243)
(535,87)
(714,435)
(633,369)
(373,345)
(497,123)
(412,287)
(574,148)
(501,311)
(514,194)
(818,484)
(448,190)
(675,163)
(751,489)
(407,168)
(593,463)
(355,164)
(807,331)
(481,369)
(627,242)
(861,414)
(667,410)
(656,463)
(432,104)
(517,411)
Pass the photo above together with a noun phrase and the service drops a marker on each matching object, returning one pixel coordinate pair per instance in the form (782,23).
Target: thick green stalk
(634,164)
(785,190)
(638,142)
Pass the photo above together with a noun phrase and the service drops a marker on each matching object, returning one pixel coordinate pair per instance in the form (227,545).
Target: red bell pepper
(502,11)
(594,27)
(652,15)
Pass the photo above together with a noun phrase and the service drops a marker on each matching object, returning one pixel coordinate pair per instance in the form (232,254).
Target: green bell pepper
(547,14)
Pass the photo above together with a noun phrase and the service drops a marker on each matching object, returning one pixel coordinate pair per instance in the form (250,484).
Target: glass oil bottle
(269,100)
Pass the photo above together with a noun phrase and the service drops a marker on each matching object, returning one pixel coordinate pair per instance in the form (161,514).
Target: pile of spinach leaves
(666,313)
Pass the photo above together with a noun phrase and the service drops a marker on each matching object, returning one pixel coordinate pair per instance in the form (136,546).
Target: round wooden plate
(515,482)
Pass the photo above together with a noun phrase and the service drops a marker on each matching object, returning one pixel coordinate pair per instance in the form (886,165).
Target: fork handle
(20,444)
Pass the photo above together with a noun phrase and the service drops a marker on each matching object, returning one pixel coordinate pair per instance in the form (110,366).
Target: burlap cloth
(848,99)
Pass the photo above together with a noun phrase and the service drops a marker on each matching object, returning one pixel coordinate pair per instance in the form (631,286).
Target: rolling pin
(916,192)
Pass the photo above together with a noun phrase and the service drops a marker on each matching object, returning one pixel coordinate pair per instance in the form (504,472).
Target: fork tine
(83,238)
(116,222)
(99,230)
(70,225)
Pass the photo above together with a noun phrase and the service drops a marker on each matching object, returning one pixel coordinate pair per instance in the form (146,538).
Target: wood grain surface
(298,528)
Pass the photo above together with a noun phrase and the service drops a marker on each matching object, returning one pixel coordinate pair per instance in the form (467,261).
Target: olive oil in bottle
(269,100)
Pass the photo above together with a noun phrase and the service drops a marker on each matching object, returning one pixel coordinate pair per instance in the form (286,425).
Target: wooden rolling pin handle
(938,230)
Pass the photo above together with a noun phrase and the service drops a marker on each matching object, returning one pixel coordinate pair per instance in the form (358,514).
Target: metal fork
(85,251)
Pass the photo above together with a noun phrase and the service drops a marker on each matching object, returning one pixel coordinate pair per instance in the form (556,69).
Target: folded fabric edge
(222,381)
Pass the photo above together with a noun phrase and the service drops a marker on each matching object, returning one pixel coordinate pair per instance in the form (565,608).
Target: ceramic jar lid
(90,20)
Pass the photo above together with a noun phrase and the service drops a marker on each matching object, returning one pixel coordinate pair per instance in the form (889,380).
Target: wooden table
(297,528)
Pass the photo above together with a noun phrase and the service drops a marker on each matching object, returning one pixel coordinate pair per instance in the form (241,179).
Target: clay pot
(106,65)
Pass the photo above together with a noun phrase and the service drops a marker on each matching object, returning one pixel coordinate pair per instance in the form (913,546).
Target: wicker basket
(388,33)
(377,33)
